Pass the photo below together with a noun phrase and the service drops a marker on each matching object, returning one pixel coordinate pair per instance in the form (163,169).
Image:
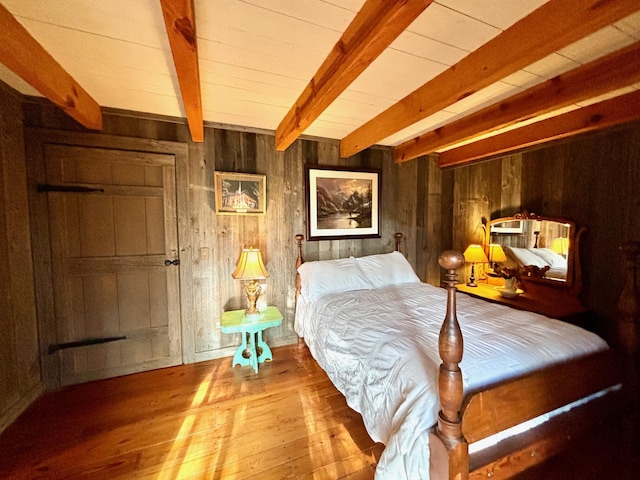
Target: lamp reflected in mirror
(251,269)
(474,254)
(496,256)
(560,245)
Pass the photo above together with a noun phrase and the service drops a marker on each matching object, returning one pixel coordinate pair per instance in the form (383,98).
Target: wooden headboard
(299,260)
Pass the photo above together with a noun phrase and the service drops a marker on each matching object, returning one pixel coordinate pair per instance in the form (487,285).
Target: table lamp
(474,254)
(251,268)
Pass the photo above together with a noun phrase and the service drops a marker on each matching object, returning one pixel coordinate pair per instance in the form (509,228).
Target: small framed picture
(509,227)
(342,203)
(240,193)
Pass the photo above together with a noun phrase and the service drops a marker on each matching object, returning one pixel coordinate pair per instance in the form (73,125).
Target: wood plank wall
(592,180)
(19,362)
(411,203)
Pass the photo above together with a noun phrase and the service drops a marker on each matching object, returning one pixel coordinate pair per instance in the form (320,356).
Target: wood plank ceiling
(422,76)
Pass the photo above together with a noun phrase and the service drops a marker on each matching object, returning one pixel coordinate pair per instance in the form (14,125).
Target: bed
(379,334)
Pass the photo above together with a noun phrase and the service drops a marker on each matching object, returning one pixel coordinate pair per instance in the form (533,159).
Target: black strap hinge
(46,187)
(81,343)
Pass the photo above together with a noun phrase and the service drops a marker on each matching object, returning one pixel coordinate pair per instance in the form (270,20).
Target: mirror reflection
(537,247)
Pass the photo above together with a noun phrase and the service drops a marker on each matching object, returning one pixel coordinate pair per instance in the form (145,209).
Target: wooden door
(113,225)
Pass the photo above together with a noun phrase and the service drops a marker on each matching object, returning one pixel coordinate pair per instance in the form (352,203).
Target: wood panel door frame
(35,141)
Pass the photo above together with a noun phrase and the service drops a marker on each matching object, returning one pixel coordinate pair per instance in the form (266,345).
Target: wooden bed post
(628,325)
(398,236)
(299,261)
(450,391)
(629,301)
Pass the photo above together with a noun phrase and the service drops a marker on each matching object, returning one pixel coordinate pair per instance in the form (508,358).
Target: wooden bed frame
(467,417)
(464,419)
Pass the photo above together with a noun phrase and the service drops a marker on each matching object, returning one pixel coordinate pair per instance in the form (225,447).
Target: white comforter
(380,349)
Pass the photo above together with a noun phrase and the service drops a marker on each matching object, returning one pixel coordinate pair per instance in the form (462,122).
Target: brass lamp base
(472,279)
(253,290)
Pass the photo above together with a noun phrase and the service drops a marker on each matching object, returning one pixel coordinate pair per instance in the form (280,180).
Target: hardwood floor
(195,421)
(208,420)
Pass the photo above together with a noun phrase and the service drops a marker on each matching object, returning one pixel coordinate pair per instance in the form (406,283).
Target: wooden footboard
(478,415)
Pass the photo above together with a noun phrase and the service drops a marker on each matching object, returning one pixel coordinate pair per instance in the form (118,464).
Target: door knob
(168,262)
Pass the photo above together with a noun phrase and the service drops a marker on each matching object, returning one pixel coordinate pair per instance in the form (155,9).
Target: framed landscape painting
(342,203)
(240,193)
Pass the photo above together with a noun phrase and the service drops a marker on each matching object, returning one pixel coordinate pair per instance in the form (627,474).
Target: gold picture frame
(240,193)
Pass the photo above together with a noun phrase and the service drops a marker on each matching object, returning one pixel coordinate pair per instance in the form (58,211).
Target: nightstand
(256,351)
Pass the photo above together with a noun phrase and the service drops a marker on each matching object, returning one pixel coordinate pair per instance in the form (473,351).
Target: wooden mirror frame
(573,284)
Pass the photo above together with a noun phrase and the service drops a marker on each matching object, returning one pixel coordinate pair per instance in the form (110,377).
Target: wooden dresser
(562,309)
(534,249)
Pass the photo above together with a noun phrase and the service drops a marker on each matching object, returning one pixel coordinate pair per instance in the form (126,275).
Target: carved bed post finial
(398,236)
(450,346)
(299,261)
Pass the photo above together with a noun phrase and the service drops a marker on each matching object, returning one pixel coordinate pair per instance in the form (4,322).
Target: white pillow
(331,276)
(525,257)
(387,269)
(553,259)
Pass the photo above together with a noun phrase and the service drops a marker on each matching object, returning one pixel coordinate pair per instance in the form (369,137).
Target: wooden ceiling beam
(180,22)
(373,29)
(616,70)
(22,54)
(551,27)
(618,110)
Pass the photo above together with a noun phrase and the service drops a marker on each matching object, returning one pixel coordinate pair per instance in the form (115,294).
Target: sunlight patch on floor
(182,440)
(183,447)
(200,395)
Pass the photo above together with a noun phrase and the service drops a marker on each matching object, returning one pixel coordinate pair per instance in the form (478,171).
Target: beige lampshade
(475,254)
(496,253)
(560,245)
(250,266)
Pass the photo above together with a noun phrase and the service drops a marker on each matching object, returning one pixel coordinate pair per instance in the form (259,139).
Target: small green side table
(257,351)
